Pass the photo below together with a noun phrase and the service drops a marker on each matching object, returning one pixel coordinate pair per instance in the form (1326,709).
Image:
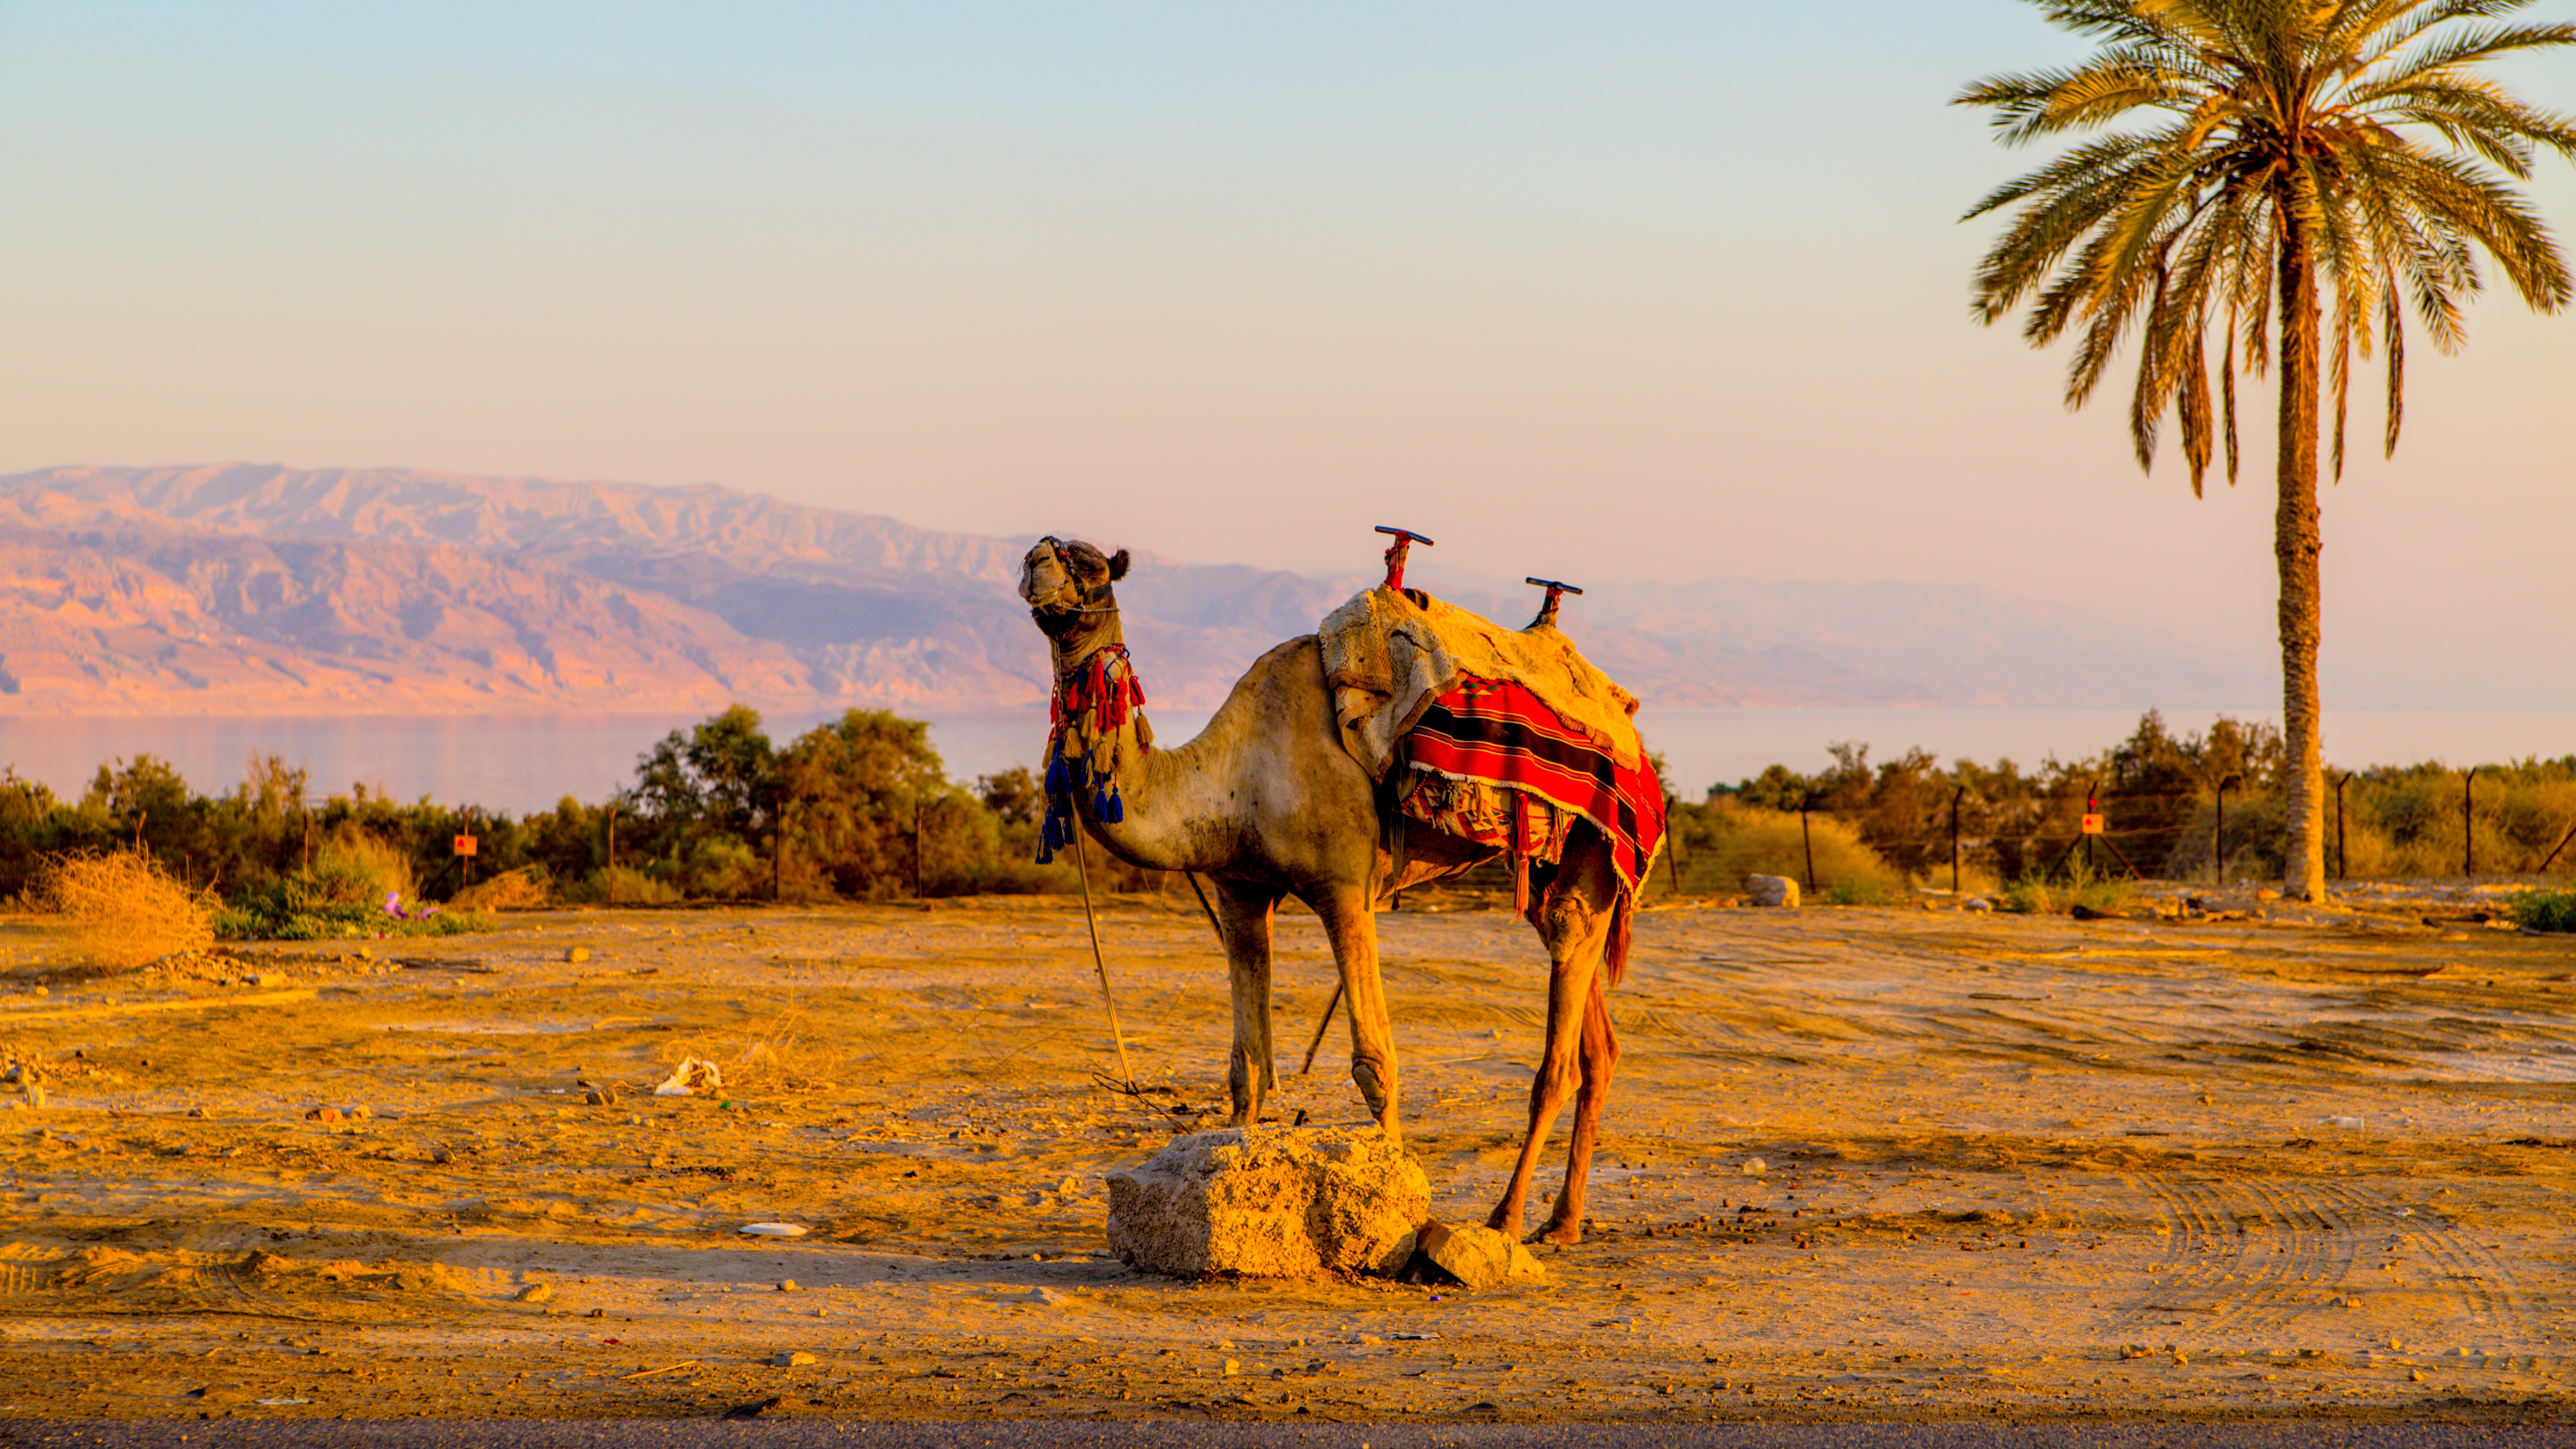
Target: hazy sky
(1653,291)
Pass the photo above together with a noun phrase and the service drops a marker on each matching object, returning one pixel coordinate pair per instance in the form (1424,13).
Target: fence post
(612,853)
(2343,861)
(2092,806)
(2218,845)
(1954,838)
(1809,841)
(2468,826)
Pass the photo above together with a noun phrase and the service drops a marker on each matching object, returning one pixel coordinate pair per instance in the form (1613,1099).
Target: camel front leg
(1600,1060)
(1351,926)
(1569,983)
(1246,913)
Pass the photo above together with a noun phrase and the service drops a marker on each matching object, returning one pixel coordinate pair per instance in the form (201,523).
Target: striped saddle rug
(1489,761)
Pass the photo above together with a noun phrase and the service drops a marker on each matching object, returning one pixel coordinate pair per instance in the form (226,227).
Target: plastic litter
(772,1230)
(691,1077)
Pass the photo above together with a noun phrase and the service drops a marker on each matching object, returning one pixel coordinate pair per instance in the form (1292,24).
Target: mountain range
(259,589)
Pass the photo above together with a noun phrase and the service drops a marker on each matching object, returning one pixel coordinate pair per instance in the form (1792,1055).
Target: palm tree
(2280,141)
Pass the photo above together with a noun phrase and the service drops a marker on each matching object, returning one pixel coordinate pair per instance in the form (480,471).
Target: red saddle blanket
(1499,735)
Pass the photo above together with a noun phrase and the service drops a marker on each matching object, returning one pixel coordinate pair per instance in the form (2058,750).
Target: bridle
(1064,564)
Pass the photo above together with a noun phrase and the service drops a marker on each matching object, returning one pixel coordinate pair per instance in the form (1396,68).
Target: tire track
(2248,1261)
(2478,1284)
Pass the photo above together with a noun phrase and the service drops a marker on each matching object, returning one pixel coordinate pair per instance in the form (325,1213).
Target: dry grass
(511,890)
(121,910)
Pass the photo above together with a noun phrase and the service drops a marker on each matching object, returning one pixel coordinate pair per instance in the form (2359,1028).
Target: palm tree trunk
(2295,545)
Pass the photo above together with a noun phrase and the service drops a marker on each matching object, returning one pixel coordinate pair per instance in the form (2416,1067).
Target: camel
(1267,803)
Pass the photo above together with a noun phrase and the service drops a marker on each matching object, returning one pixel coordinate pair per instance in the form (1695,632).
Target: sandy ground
(1861,1163)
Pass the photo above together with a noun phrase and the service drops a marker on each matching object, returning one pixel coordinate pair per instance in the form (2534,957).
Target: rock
(537,1293)
(796,1359)
(1754,1167)
(221,1394)
(786,1285)
(1478,1257)
(1980,904)
(268,980)
(1770,890)
(600,1097)
(323,1114)
(1277,1202)
(577,955)
(2267,894)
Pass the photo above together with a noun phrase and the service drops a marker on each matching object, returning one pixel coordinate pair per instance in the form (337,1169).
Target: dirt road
(1861,1163)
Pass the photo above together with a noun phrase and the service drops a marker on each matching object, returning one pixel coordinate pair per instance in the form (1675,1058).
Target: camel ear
(1118,566)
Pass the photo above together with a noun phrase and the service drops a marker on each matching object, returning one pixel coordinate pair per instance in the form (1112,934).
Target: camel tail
(1615,955)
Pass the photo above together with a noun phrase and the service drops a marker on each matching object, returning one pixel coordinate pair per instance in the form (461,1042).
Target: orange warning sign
(465,844)
(2092,824)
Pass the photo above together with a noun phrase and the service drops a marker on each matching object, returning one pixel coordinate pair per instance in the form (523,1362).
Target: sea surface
(521,763)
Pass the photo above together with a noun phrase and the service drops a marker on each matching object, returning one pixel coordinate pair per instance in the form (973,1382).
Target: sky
(1645,291)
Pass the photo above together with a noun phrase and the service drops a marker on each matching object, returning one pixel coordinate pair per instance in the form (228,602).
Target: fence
(2501,827)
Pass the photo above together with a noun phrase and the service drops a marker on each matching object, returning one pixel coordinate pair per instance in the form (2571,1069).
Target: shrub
(2041,896)
(1859,892)
(634,888)
(355,867)
(122,910)
(1729,841)
(276,914)
(2545,910)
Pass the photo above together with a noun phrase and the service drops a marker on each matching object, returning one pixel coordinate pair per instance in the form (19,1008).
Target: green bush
(2545,910)
(283,912)
(2042,896)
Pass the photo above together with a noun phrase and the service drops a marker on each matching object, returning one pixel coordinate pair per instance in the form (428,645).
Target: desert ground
(1862,1163)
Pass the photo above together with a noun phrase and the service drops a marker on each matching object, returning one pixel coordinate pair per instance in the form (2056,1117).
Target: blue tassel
(1116,810)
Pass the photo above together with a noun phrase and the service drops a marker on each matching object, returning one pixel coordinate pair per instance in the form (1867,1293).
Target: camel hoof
(1563,1235)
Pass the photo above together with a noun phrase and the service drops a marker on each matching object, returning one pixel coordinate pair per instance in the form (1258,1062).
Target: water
(523,763)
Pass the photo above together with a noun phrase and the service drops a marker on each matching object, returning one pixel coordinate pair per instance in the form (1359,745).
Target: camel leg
(1569,984)
(1600,1060)
(1246,912)
(1573,916)
(1352,927)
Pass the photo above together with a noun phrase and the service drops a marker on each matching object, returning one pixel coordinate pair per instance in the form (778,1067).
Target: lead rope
(1082,868)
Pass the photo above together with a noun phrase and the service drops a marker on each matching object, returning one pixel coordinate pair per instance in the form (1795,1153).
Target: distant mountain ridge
(258,589)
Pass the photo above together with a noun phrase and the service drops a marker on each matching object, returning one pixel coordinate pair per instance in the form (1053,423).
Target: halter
(1055,550)
(1094,697)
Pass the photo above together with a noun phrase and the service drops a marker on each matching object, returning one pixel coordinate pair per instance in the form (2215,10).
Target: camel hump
(1387,658)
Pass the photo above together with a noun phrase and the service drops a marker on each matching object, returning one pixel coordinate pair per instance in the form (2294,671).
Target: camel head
(1067,584)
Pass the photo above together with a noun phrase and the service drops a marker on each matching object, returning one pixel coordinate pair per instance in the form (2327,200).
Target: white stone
(1771,890)
(1270,1202)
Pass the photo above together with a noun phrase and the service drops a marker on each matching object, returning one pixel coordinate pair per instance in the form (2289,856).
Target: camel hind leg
(1574,916)
(1600,1060)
